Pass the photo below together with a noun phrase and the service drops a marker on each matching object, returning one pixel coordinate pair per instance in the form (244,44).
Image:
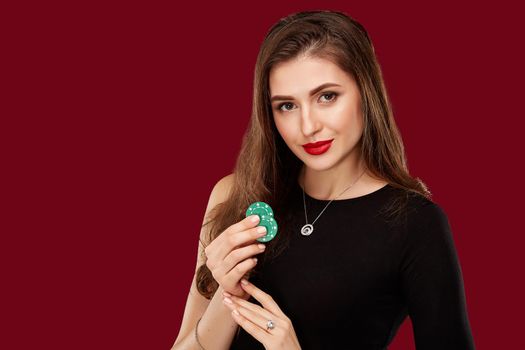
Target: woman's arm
(216,328)
(432,282)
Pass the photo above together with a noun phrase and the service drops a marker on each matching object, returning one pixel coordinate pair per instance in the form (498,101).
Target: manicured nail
(228,300)
(245,282)
(255,218)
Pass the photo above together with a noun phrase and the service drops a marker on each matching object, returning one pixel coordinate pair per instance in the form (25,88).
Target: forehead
(300,75)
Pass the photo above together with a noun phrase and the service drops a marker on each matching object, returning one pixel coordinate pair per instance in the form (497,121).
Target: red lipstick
(318,147)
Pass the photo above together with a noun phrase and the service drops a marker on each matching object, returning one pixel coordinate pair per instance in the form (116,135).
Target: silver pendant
(307,230)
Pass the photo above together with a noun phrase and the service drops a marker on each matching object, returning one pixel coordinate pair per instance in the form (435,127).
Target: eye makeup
(326,93)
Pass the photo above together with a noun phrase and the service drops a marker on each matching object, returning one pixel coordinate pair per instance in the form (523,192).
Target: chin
(319,164)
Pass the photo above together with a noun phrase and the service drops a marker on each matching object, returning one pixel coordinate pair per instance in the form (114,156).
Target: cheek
(290,134)
(286,130)
(347,120)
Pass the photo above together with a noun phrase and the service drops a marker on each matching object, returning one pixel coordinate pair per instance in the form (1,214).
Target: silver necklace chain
(307,229)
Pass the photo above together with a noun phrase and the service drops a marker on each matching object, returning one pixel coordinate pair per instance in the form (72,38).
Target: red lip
(317,144)
(321,147)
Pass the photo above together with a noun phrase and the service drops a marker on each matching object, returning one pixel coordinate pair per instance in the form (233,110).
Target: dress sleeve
(432,282)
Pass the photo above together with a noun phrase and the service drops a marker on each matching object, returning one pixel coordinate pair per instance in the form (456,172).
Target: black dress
(354,280)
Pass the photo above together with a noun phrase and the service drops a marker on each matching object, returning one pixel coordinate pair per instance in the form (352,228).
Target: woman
(360,244)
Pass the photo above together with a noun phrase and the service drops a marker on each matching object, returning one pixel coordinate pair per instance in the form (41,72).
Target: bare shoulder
(223,186)
(220,192)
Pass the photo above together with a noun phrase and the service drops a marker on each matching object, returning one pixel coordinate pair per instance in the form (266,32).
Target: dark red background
(118,119)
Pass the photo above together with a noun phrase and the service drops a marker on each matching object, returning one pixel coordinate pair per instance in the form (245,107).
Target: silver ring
(270,325)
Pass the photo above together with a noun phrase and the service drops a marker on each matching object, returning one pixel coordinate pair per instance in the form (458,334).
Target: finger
(241,254)
(246,223)
(238,239)
(257,332)
(265,314)
(232,277)
(228,303)
(242,238)
(264,298)
(256,318)
(228,239)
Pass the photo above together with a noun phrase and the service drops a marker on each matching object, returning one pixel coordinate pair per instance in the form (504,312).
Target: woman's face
(334,112)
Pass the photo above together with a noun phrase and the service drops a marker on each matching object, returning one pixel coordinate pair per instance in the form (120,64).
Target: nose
(309,123)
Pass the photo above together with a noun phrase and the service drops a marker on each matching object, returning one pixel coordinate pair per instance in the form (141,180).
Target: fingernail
(255,218)
(236,312)
(243,281)
(261,246)
(261,229)
(228,300)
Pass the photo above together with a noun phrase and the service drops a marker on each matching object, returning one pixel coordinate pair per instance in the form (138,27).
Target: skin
(333,112)
(253,319)
(303,118)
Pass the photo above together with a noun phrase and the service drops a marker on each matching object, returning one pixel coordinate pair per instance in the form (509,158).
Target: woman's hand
(254,319)
(229,255)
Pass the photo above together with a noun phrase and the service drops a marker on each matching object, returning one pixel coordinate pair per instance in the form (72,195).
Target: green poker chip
(259,208)
(267,220)
(271,228)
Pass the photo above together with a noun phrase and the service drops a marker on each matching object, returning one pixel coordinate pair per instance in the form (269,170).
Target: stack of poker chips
(267,220)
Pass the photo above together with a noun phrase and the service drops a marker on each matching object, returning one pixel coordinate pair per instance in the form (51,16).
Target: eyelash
(326,93)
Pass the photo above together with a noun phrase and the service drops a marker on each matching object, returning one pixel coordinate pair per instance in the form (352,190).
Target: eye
(329,93)
(279,107)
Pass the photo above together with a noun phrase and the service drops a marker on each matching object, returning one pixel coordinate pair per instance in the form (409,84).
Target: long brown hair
(266,168)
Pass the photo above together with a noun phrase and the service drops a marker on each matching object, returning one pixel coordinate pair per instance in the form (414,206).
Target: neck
(327,184)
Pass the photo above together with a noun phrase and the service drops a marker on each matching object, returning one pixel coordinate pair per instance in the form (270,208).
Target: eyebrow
(313,92)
